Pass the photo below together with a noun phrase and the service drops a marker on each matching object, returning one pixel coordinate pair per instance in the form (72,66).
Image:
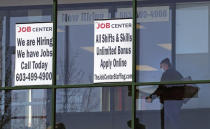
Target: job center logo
(107,25)
(24,29)
(102,25)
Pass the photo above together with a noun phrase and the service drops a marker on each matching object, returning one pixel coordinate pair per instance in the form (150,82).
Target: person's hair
(166,61)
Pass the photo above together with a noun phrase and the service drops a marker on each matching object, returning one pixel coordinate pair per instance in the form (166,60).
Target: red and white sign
(33,54)
(113,50)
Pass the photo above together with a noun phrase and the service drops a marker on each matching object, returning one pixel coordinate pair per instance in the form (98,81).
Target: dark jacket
(168,92)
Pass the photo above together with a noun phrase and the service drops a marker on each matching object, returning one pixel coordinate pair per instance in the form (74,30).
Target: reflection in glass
(8,20)
(24,109)
(186,112)
(76,38)
(104,108)
(154,41)
(192,40)
(172,97)
(183,38)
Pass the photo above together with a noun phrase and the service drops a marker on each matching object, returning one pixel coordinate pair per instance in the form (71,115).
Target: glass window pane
(178,33)
(154,41)
(75,60)
(176,107)
(12,12)
(93,108)
(25,109)
(192,40)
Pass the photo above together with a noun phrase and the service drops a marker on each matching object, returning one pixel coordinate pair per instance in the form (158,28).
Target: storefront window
(76,38)
(9,18)
(186,112)
(154,40)
(25,109)
(172,46)
(21,108)
(182,38)
(192,40)
(94,108)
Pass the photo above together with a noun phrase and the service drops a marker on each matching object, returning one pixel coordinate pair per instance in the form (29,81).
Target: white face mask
(162,70)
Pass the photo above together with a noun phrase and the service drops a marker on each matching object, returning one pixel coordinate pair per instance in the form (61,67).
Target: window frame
(132,84)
